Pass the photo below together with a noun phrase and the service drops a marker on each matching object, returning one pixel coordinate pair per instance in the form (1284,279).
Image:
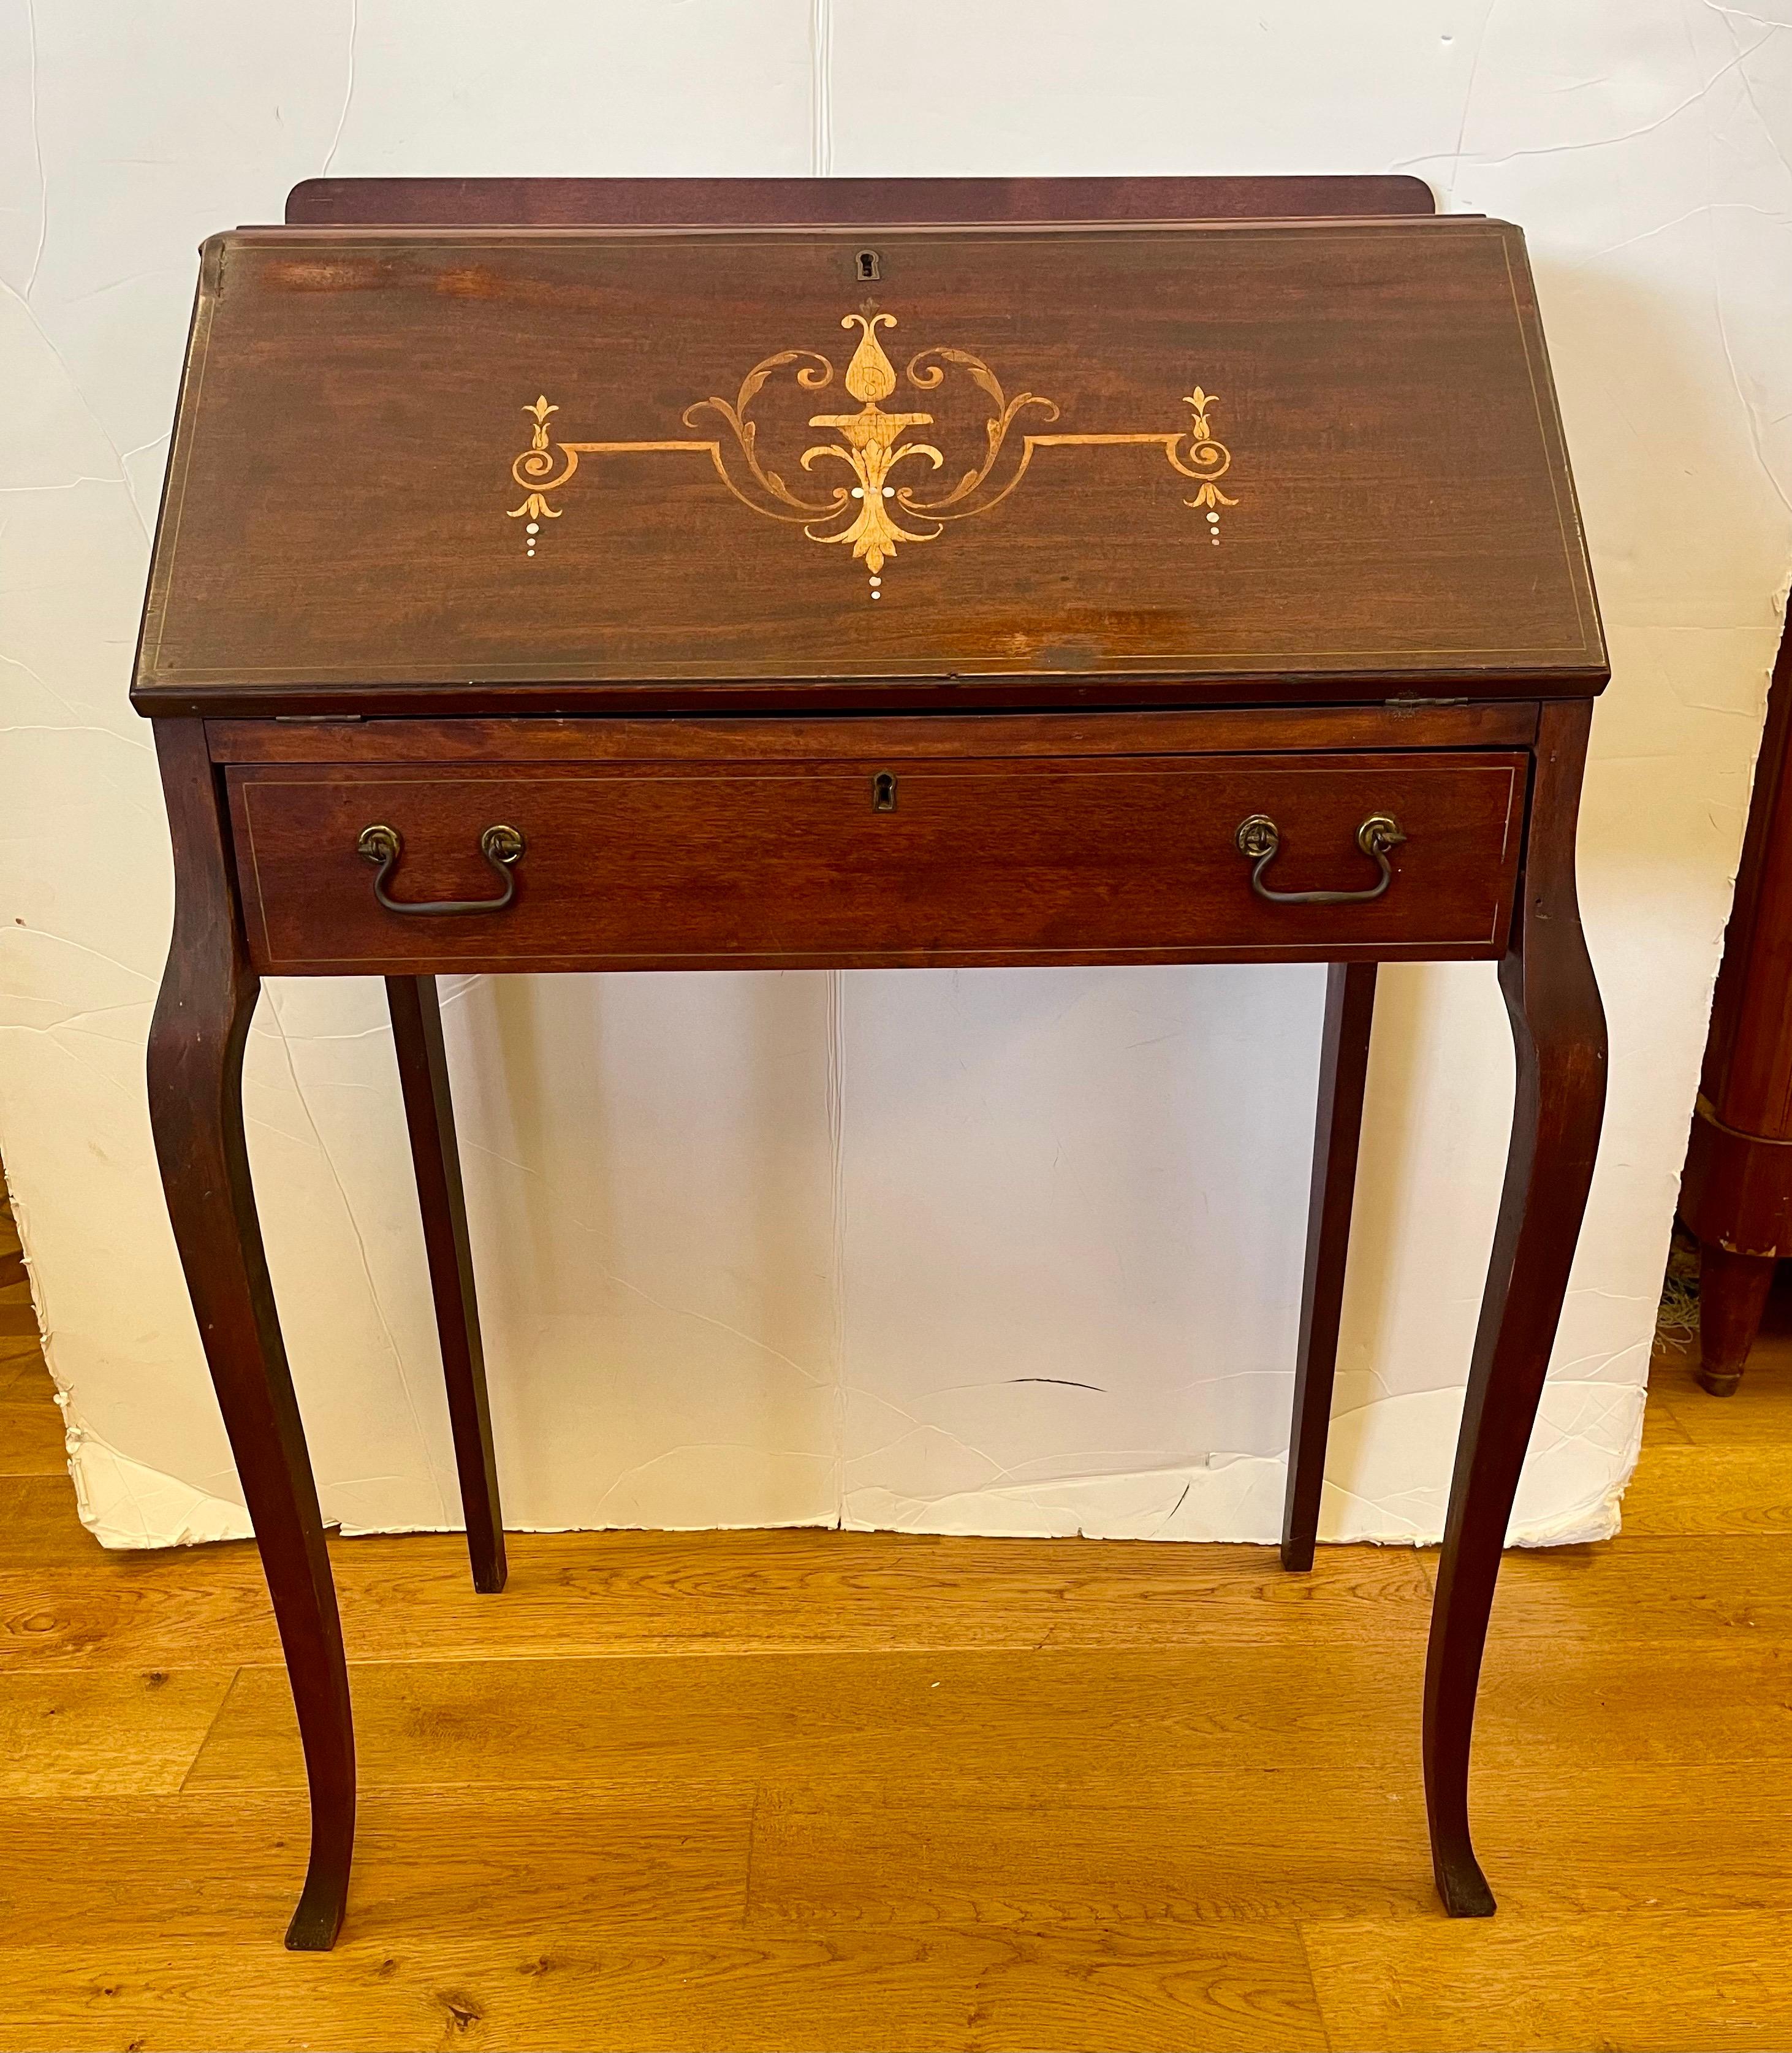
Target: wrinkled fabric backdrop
(1012,1252)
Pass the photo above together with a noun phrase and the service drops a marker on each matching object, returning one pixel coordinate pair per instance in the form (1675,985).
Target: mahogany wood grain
(1396,508)
(1733,1291)
(195,1087)
(1212,731)
(1559,1031)
(698,865)
(1736,1194)
(1350,1011)
(803,699)
(825,203)
(1367,575)
(1748,1077)
(416,1010)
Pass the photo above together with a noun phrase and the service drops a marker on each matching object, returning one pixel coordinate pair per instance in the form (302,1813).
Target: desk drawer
(864,862)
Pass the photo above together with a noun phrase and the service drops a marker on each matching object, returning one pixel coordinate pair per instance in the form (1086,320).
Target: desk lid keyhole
(882,792)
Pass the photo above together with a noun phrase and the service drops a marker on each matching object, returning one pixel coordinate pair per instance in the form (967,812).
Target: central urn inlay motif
(872,514)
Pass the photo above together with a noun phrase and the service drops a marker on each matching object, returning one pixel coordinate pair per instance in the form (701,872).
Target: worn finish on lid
(1254,458)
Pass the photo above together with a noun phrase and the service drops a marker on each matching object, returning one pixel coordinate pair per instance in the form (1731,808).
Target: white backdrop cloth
(986,1251)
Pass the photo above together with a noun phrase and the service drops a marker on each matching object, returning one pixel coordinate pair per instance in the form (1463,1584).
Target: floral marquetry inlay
(877,510)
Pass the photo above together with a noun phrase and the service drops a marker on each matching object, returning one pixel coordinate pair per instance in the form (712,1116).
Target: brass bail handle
(1258,838)
(501,847)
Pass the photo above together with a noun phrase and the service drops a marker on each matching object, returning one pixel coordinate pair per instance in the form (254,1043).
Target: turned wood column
(1736,1197)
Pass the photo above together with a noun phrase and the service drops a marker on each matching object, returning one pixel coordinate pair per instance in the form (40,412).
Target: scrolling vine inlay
(872,515)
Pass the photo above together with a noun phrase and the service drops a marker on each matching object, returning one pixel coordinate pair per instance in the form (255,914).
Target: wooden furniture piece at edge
(195,1061)
(1736,1196)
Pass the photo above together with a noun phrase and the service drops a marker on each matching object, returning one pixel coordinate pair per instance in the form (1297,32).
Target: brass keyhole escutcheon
(884,792)
(868,267)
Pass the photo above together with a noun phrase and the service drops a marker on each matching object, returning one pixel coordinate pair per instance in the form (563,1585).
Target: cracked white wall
(1011,1252)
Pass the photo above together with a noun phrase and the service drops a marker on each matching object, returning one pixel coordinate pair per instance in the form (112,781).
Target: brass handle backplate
(501,847)
(1258,838)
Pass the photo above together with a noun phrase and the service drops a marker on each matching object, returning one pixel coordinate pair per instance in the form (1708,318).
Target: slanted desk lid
(1269,459)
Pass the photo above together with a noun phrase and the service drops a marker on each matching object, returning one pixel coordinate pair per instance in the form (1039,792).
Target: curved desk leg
(1560,1028)
(1349,1012)
(429,1113)
(195,1091)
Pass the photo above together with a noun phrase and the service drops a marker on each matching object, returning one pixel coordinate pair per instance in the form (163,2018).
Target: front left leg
(1559,1026)
(195,1091)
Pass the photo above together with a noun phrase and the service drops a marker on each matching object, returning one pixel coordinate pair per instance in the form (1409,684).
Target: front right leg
(1559,1030)
(195,1091)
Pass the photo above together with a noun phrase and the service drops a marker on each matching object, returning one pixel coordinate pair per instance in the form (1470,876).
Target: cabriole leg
(195,1090)
(1559,1026)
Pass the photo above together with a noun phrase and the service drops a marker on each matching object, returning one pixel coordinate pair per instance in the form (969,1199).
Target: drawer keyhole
(882,792)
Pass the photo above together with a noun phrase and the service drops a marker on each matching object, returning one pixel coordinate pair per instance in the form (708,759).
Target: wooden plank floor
(829,1791)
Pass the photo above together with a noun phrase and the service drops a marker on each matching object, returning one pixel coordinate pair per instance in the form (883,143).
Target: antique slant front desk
(791,576)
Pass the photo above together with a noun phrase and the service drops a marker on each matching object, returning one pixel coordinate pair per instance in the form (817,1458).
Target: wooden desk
(1110,583)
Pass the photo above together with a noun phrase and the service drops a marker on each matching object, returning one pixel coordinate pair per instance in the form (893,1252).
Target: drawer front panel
(869,861)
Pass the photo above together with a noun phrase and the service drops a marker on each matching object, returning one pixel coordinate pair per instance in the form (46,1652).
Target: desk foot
(1558,1029)
(319,1916)
(1461,1883)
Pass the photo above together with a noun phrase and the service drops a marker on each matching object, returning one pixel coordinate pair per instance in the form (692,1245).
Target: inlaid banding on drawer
(862,862)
